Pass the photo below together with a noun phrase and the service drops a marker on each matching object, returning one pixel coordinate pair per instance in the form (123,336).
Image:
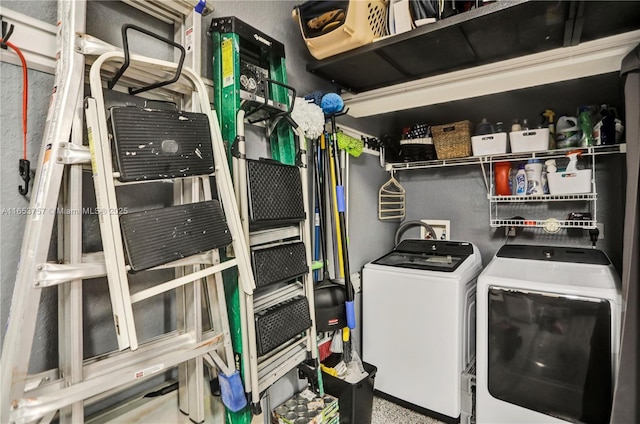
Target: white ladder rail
(264,371)
(39,406)
(16,350)
(70,314)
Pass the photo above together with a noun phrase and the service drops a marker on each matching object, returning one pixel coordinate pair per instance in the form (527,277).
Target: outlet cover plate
(440,226)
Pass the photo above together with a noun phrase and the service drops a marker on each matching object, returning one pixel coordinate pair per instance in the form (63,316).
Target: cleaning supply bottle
(573,155)
(550,114)
(485,127)
(550,166)
(515,126)
(585,123)
(544,181)
(521,181)
(533,170)
(605,128)
(502,175)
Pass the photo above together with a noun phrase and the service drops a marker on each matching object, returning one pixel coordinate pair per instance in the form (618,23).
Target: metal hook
(24,167)
(6,34)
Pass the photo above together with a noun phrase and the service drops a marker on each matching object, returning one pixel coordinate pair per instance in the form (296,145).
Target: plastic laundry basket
(361,22)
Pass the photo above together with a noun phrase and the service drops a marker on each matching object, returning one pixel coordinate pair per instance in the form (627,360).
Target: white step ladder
(26,398)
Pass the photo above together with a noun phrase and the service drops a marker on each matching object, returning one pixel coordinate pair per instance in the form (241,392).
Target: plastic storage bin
(359,24)
(573,182)
(489,144)
(529,140)
(417,149)
(452,140)
(356,400)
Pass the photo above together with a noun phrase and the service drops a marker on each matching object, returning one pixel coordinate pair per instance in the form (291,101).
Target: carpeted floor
(385,412)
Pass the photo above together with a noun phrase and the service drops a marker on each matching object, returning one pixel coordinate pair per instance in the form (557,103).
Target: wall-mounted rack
(475,160)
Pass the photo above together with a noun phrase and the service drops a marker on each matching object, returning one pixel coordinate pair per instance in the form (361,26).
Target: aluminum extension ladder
(250,87)
(28,398)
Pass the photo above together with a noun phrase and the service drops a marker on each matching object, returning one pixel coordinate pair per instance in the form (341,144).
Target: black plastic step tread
(281,323)
(275,194)
(279,263)
(159,236)
(160,144)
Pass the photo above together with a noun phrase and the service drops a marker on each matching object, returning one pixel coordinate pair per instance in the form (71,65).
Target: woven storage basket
(452,140)
(364,21)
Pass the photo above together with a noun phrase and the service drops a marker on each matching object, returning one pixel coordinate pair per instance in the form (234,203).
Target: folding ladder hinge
(88,45)
(236,152)
(70,154)
(51,274)
(301,158)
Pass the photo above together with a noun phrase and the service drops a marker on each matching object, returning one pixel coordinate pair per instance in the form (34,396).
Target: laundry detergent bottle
(533,170)
(521,181)
(502,175)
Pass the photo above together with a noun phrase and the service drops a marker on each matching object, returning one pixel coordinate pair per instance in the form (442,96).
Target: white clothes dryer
(548,336)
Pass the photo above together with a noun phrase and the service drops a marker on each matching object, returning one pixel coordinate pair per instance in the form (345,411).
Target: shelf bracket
(483,160)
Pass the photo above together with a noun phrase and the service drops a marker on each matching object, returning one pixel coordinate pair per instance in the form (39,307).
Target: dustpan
(391,200)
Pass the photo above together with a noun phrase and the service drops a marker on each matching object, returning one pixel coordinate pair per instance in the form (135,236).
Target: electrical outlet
(600,226)
(510,231)
(440,226)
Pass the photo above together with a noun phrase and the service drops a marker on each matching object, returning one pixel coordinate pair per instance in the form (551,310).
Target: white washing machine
(418,320)
(548,336)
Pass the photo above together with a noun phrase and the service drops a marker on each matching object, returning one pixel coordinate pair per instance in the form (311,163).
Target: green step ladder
(250,86)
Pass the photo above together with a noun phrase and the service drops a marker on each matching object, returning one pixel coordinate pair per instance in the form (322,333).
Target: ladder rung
(281,323)
(268,375)
(274,234)
(275,194)
(279,263)
(150,359)
(164,287)
(271,296)
(160,144)
(158,236)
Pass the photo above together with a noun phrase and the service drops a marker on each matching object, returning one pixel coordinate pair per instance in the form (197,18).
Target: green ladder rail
(240,52)
(250,86)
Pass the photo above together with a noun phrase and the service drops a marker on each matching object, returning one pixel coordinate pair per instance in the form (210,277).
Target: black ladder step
(275,194)
(281,323)
(279,263)
(159,236)
(160,144)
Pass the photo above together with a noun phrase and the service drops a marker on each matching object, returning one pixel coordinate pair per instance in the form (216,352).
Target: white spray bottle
(573,155)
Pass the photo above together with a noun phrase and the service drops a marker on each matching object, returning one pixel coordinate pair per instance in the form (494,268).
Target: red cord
(25,96)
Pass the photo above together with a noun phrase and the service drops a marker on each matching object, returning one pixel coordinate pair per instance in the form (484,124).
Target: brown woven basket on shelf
(452,140)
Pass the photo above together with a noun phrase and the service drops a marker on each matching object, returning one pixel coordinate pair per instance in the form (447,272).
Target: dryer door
(551,354)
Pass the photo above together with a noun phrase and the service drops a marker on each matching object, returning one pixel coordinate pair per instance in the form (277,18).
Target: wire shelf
(542,223)
(544,198)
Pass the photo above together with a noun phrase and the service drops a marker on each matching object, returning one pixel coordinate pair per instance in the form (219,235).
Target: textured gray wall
(11,224)
(456,193)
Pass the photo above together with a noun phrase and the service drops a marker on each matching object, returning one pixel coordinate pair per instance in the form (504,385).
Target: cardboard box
(308,407)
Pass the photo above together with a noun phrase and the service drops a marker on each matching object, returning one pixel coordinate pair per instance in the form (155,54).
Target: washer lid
(432,255)
(554,254)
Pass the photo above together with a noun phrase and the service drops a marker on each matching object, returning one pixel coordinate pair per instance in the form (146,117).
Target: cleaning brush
(352,145)
(309,117)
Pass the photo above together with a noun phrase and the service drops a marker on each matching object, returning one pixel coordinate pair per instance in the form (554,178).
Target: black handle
(6,33)
(125,65)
